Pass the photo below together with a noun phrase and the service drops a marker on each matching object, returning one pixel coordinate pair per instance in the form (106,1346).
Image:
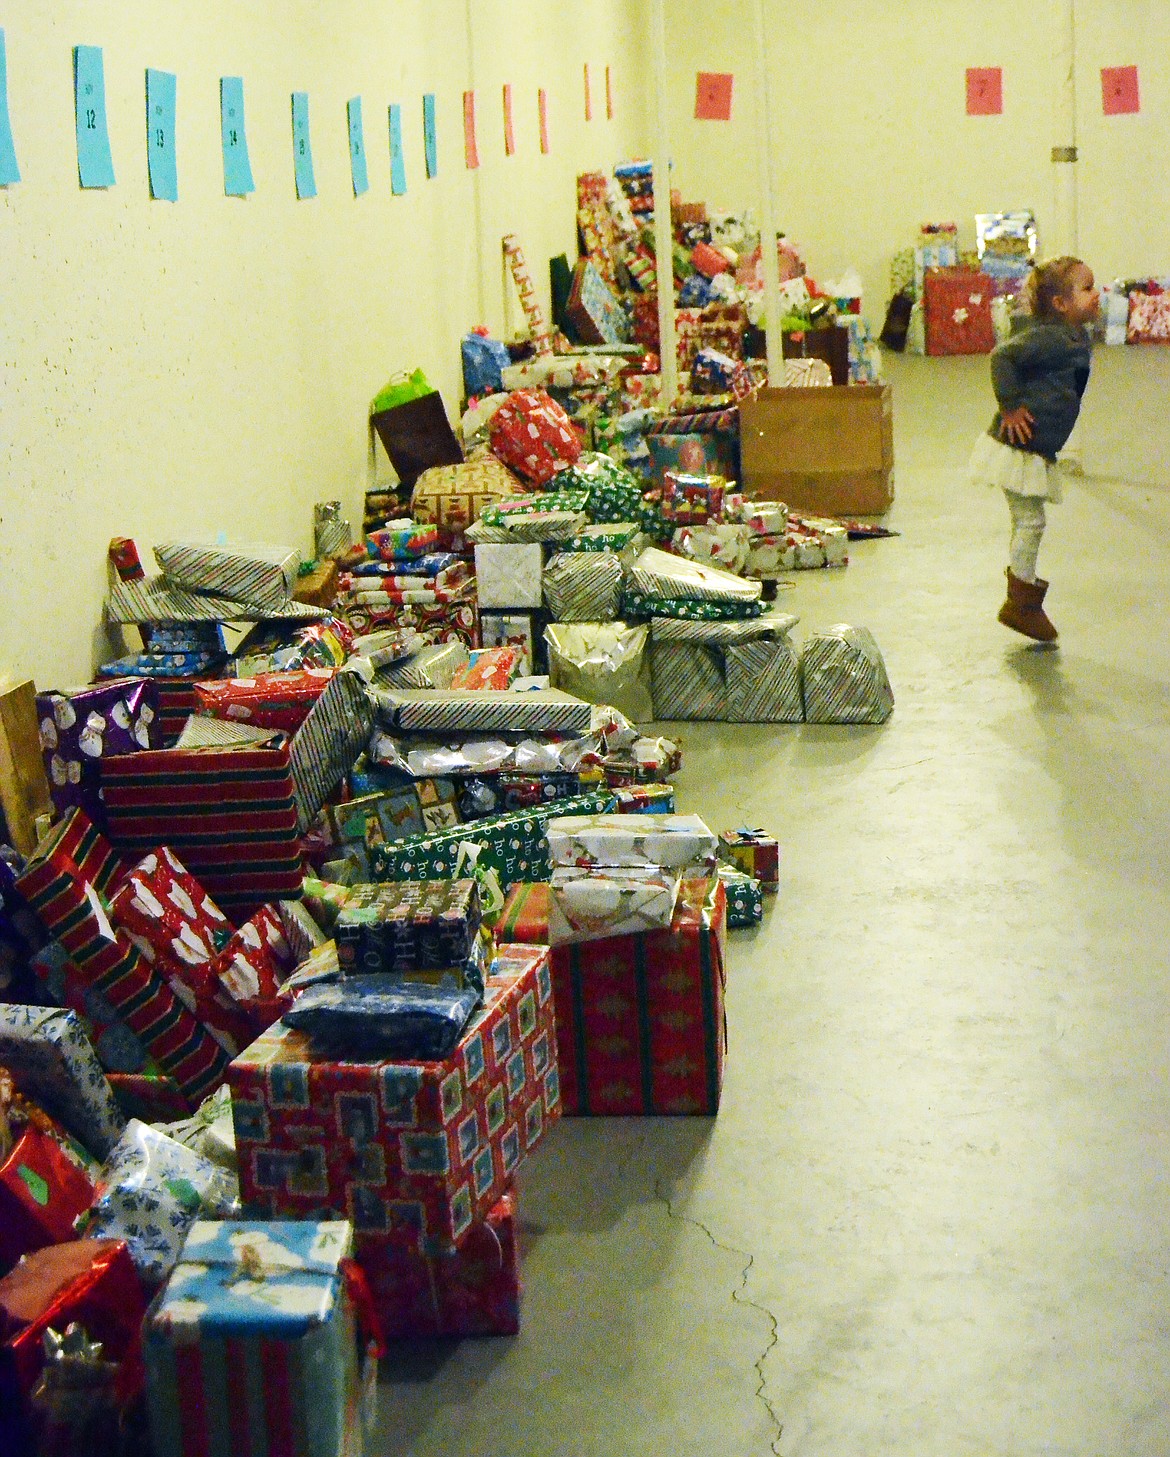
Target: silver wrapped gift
(263,575)
(431,667)
(843,677)
(485,711)
(332,533)
(659,574)
(730,672)
(583,586)
(603,662)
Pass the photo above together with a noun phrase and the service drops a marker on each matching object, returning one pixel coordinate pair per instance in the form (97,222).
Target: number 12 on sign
(160,135)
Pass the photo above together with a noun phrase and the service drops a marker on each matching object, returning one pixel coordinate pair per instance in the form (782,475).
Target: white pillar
(663,234)
(767,204)
(1064,161)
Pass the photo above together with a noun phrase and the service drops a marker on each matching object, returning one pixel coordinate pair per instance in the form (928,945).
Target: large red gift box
(532,434)
(420,1151)
(42,1192)
(267,701)
(956,307)
(640,1022)
(472,1291)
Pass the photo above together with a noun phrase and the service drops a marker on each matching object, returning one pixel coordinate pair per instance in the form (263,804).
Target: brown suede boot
(1023,610)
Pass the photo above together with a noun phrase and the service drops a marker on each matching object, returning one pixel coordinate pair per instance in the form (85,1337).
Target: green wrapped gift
(609,536)
(745,898)
(500,513)
(641,604)
(615,494)
(653,522)
(513,846)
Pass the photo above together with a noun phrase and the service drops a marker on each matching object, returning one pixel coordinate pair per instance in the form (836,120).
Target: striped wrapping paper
(544,526)
(504,513)
(713,634)
(485,711)
(201,732)
(327,744)
(229,814)
(432,667)
(730,679)
(698,422)
(261,576)
(583,586)
(659,574)
(689,681)
(844,677)
(154,599)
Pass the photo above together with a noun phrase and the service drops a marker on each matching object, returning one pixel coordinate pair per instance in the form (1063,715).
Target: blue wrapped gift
(374,1016)
(252,1346)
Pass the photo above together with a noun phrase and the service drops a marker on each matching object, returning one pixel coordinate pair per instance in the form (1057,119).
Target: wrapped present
(1149,318)
(733,672)
(831,536)
(153,1097)
(658,574)
(762,518)
(726,546)
(52,1062)
(636,604)
(254,962)
(453,496)
(485,711)
(614,537)
(383,1017)
(640,1023)
(511,630)
(418,1150)
(768,556)
(545,526)
(957,311)
(583,586)
(489,668)
(646,799)
(326,746)
(590,903)
(431,667)
(90,1282)
(253,1344)
(80,728)
(745,898)
(156,600)
(593,310)
(260,576)
(670,841)
(332,533)
(483,795)
(471,1291)
(273,648)
(510,846)
(532,434)
(42,1195)
(267,701)
(843,677)
(408,926)
(411,539)
(755,853)
(568,497)
(151,1191)
(603,662)
(509,576)
(118,1046)
(442,623)
(317,584)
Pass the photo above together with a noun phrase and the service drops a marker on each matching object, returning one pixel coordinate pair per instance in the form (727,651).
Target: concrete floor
(931,1217)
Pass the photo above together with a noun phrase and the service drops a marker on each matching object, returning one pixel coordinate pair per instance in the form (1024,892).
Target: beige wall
(191,368)
(870,134)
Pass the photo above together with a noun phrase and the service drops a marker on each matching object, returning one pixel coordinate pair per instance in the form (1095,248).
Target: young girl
(1039,376)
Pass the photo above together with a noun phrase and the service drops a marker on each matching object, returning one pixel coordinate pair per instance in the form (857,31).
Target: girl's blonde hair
(1046,282)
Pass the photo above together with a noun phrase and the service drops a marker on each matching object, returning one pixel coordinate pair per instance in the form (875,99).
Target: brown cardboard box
(826,452)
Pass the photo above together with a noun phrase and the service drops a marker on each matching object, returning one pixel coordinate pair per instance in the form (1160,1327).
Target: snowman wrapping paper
(80,727)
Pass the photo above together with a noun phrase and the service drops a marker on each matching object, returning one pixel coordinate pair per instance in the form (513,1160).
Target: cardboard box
(827,452)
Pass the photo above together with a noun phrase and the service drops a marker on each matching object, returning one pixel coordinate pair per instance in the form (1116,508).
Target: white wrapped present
(588,904)
(667,841)
(509,575)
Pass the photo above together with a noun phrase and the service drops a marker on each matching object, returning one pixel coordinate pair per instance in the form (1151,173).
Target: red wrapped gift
(91,1281)
(640,1025)
(755,853)
(691,500)
(532,434)
(256,959)
(416,1152)
(956,308)
(41,1194)
(708,261)
(267,701)
(472,1291)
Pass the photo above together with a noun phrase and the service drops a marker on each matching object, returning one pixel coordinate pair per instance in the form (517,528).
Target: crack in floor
(739,1297)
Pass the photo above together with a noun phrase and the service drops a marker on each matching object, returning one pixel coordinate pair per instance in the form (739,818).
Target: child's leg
(1027,513)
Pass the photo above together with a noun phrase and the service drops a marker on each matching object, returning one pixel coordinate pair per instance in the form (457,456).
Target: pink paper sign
(470,149)
(588,95)
(509,129)
(542,107)
(984,91)
(713,96)
(1119,90)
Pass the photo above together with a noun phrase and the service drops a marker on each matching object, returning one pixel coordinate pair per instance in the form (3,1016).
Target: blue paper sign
(302,149)
(95,166)
(397,160)
(430,136)
(237,169)
(9,169)
(357,147)
(160,135)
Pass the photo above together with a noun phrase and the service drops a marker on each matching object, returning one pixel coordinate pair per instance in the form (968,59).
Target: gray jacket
(1046,368)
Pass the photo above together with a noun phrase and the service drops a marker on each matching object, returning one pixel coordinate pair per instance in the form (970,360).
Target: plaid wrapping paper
(659,574)
(640,1022)
(431,667)
(266,701)
(472,1291)
(81,728)
(644,604)
(262,577)
(420,1152)
(485,711)
(512,846)
(154,599)
(229,814)
(421,925)
(746,682)
(52,1062)
(532,434)
(583,586)
(64,884)
(453,496)
(843,677)
(327,744)
(754,853)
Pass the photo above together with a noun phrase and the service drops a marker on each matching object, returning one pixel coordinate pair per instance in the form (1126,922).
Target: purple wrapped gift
(82,726)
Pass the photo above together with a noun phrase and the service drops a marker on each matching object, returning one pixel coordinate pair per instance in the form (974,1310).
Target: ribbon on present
(467,866)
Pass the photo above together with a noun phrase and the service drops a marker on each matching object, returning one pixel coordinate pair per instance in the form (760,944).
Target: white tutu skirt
(1021,472)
